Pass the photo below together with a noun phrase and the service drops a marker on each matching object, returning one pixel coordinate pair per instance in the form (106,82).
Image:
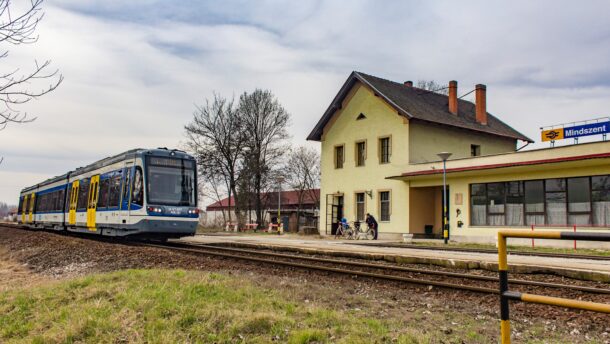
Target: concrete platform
(594,270)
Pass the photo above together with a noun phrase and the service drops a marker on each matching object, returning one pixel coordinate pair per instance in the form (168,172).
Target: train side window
(40,202)
(36,204)
(83,192)
(45,202)
(68,193)
(114,193)
(59,200)
(52,201)
(102,201)
(137,194)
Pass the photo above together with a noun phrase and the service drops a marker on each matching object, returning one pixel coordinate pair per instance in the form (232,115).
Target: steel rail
(205,251)
(483,250)
(406,269)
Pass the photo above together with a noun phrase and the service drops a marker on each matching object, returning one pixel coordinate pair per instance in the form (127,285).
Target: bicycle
(344,231)
(368,234)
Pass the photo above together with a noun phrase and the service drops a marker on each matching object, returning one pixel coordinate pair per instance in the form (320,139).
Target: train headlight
(193,211)
(154,210)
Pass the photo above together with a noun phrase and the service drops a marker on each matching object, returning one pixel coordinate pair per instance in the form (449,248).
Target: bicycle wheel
(350,234)
(370,233)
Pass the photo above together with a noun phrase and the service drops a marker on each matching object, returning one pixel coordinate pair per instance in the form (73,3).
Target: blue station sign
(598,128)
(586,130)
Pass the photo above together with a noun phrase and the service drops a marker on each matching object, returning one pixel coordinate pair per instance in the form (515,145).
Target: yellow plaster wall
(426,140)
(344,129)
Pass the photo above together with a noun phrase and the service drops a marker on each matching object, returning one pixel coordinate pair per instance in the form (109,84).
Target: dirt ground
(31,257)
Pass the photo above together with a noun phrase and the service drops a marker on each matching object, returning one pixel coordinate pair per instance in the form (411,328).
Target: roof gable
(418,104)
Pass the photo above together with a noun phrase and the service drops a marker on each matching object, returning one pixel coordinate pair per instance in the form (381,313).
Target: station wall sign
(576,131)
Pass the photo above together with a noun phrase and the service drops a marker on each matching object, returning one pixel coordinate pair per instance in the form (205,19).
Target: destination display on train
(576,131)
(171,162)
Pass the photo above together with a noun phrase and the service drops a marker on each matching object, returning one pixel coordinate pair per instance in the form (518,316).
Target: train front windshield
(171,181)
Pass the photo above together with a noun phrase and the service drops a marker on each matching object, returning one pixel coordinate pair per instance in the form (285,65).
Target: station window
(384,206)
(475,150)
(360,153)
(579,201)
(385,150)
(360,206)
(339,156)
(555,202)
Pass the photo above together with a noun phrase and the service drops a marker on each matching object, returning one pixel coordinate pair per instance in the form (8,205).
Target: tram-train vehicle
(149,193)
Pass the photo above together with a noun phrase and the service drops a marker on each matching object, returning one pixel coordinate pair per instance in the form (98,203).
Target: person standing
(372,223)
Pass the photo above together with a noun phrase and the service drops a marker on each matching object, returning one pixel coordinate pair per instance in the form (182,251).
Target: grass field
(169,306)
(177,306)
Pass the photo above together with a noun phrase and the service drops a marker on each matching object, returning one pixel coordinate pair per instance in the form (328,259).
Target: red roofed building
(217,213)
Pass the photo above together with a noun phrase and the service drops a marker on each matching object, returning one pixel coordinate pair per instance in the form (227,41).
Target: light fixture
(369,193)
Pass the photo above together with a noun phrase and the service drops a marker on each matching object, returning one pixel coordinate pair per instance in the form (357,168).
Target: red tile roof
(288,198)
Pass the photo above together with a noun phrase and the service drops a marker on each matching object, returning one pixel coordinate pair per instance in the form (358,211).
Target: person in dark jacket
(372,223)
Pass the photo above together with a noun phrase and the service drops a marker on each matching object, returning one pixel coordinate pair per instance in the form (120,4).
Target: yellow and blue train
(150,193)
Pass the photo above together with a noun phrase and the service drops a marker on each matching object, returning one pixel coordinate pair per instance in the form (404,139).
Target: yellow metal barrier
(506,295)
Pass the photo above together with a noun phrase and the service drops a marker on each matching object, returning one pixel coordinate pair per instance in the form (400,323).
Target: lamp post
(444,156)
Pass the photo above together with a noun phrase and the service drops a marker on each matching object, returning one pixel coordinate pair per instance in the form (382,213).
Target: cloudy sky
(134,70)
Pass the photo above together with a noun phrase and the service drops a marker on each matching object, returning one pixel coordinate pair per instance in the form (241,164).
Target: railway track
(376,271)
(455,249)
(482,250)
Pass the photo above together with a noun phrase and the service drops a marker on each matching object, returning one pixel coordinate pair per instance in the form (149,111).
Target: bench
(250,226)
(231,227)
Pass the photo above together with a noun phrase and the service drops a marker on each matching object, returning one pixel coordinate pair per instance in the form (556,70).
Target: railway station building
(380,141)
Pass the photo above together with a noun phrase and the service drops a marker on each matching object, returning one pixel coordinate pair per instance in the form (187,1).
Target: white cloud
(133,71)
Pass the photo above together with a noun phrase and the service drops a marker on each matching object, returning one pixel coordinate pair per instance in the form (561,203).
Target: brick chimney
(453,101)
(409,83)
(481,103)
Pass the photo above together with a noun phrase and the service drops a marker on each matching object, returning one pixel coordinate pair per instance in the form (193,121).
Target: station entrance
(426,211)
(334,213)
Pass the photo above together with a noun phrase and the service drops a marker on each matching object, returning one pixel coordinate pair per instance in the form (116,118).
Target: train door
(32,203)
(73,200)
(126,193)
(24,208)
(92,201)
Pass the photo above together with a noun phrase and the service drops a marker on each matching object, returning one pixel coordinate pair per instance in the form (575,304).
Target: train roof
(132,153)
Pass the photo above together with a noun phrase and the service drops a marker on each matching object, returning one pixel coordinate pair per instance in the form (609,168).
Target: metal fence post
(503,271)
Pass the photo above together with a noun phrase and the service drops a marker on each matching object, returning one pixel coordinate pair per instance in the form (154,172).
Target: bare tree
(214,136)
(210,187)
(431,85)
(265,124)
(303,171)
(19,87)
